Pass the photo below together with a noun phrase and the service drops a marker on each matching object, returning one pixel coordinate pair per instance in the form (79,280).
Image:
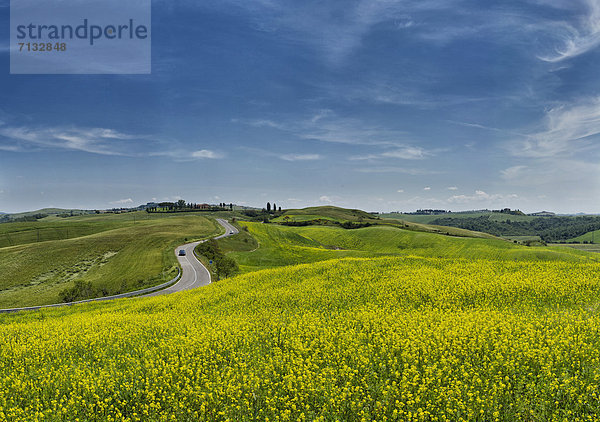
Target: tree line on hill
(7,218)
(264,215)
(224,265)
(549,229)
(183,206)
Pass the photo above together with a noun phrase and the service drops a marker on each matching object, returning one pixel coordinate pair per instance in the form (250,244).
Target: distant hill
(548,227)
(331,212)
(316,215)
(38,214)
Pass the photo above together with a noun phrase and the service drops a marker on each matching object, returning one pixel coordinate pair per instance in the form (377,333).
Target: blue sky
(376,104)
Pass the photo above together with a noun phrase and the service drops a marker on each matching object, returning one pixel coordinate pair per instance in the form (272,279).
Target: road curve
(193,273)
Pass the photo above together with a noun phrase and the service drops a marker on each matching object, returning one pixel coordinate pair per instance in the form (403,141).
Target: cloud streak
(122,201)
(578,40)
(479,197)
(92,140)
(567,130)
(182,155)
(393,169)
(325,126)
(300,157)
(99,141)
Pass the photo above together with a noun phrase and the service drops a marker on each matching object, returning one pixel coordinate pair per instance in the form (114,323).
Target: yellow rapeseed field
(387,339)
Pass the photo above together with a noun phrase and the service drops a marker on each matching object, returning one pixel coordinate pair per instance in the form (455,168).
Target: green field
(427,219)
(282,245)
(329,215)
(119,256)
(392,338)
(12,234)
(588,247)
(387,322)
(329,212)
(590,237)
(303,217)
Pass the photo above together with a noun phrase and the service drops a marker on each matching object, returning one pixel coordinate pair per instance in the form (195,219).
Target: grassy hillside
(427,219)
(593,247)
(356,339)
(589,237)
(327,212)
(58,228)
(12,234)
(549,229)
(113,260)
(328,215)
(49,212)
(281,245)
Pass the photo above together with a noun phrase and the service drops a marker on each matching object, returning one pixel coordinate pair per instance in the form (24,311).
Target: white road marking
(191,265)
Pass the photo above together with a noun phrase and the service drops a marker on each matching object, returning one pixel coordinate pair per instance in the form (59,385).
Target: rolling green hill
(7,217)
(329,215)
(281,245)
(12,234)
(589,237)
(427,219)
(549,229)
(327,212)
(113,260)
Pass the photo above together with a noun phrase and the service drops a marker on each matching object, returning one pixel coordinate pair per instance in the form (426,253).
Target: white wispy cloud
(427,188)
(10,148)
(181,154)
(513,172)
(122,201)
(337,30)
(484,127)
(393,169)
(300,157)
(566,130)
(206,153)
(101,141)
(480,196)
(284,156)
(404,153)
(559,175)
(579,38)
(407,153)
(326,126)
(452,188)
(93,140)
(336,38)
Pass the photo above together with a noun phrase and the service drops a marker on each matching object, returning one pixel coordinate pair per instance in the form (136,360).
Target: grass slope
(12,234)
(328,212)
(355,339)
(282,245)
(590,237)
(118,260)
(426,219)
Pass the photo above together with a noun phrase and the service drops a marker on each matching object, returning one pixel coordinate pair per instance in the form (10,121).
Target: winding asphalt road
(193,273)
